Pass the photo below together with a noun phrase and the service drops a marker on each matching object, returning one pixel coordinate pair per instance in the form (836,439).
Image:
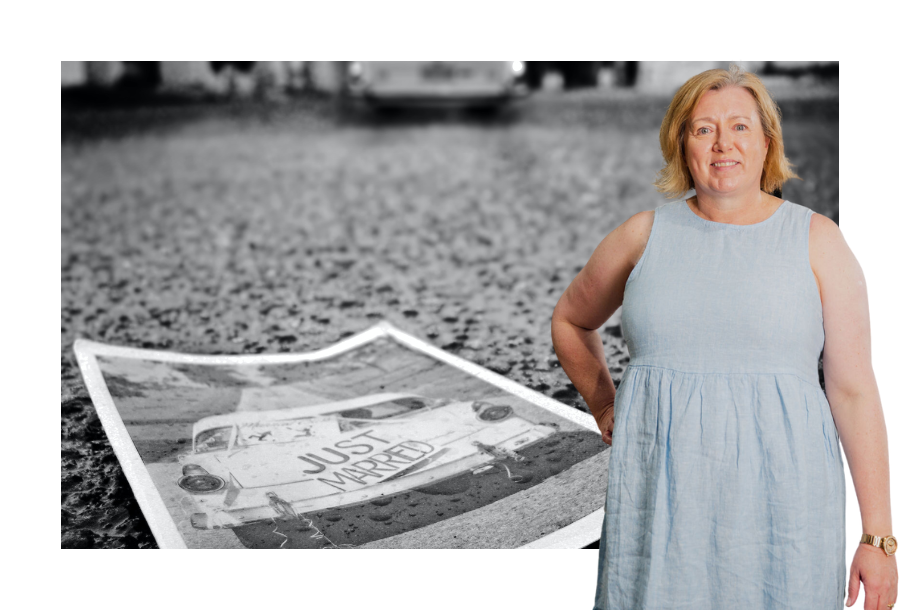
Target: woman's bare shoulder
(825,239)
(642,221)
(598,289)
(821,225)
(635,233)
(830,257)
(621,249)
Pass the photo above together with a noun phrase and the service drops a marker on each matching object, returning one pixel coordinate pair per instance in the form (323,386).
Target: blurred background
(141,79)
(262,207)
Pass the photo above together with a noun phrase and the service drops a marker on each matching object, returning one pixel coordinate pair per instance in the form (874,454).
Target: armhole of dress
(812,274)
(637,267)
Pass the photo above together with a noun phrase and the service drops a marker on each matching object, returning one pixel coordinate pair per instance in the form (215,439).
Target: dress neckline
(734,226)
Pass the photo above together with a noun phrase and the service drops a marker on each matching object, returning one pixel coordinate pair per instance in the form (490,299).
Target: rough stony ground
(257,228)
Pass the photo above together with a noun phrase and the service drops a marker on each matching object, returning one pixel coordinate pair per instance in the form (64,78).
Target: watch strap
(887,543)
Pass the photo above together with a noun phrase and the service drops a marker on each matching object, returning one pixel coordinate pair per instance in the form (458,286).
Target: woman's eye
(703,131)
(741,127)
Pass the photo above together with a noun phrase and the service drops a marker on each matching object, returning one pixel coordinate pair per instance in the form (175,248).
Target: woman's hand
(605,417)
(878,572)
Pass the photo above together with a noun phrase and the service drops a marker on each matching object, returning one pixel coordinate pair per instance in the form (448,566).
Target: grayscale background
(256,207)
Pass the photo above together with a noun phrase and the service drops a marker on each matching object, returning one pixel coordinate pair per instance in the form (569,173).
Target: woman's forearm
(580,353)
(860,423)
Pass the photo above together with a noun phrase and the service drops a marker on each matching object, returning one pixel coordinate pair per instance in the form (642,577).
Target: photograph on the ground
(376,442)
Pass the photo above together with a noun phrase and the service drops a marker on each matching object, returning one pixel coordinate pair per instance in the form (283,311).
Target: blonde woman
(726,482)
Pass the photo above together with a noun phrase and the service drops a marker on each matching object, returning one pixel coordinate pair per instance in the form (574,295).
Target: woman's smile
(724,164)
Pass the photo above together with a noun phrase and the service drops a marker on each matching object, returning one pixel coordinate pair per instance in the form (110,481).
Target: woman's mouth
(724,163)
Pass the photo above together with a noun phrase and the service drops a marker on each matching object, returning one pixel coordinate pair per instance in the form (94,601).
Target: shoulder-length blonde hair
(675,179)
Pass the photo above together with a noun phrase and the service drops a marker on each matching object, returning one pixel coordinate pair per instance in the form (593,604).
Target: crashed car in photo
(246,467)
(486,85)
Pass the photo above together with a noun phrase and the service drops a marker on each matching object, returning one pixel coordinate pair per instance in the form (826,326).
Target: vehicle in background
(581,74)
(468,84)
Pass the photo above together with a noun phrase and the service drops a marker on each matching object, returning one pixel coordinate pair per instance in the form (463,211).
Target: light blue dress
(726,482)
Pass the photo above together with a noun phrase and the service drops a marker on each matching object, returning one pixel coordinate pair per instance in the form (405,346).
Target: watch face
(890,545)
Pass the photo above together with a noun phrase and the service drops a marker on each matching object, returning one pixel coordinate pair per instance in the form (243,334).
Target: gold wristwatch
(886,543)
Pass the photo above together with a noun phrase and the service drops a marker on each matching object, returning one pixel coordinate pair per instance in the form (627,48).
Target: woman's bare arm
(592,297)
(849,378)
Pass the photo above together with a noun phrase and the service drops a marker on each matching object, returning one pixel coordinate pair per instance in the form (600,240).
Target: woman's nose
(723,140)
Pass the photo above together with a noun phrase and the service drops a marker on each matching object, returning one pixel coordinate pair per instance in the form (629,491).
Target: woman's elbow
(558,322)
(560,313)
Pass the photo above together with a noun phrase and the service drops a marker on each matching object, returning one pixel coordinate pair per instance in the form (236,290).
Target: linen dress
(726,482)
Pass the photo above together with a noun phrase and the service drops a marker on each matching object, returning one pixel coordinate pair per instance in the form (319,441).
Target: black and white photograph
(377,442)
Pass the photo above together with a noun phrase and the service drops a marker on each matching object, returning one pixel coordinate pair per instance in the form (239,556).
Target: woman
(726,485)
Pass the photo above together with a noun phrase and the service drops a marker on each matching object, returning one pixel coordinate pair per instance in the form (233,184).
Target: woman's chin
(727,189)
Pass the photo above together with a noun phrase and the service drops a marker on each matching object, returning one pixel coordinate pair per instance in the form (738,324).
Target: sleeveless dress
(726,482)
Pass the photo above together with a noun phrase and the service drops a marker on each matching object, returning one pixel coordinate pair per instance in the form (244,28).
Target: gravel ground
(259,228)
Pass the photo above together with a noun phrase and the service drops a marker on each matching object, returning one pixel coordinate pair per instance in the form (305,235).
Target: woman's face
(725,147)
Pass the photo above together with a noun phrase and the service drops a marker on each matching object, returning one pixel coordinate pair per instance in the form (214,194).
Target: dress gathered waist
(807,378)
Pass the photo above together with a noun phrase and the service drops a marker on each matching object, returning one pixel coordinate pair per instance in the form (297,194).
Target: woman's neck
(739,210)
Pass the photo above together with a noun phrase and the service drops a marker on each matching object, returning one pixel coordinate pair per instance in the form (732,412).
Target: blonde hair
(675,179)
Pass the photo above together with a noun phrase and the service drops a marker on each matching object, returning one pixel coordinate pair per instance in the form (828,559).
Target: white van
(246,467)
(436,83)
